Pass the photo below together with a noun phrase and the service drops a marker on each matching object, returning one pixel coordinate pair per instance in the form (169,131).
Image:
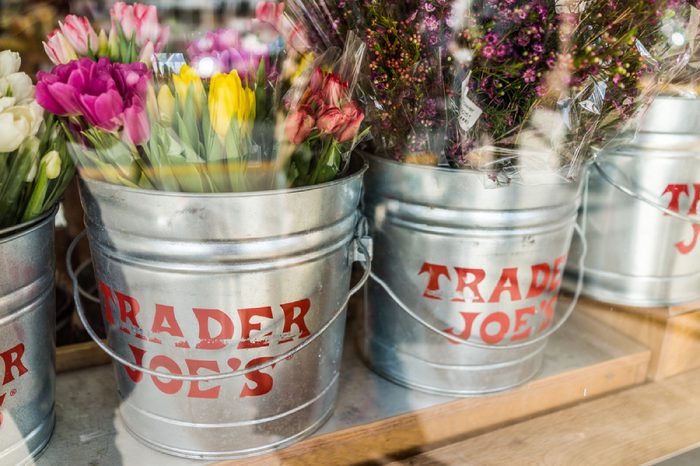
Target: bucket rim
(356,172)
(465,172)
(16,231)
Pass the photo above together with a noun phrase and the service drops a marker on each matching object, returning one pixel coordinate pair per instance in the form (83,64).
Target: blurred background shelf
(671,333)
(374,419)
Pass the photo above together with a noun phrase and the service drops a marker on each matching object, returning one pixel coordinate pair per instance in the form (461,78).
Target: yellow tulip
(228,99)
(306,61)
(166,104)
(186,80)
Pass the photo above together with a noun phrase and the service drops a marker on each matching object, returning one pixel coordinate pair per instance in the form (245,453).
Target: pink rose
(80,34)
(58,49)
(353,119)
(299,125)
(316,82)
(335,90)
(331,120)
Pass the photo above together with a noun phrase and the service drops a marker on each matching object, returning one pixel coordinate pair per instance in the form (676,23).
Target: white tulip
(16,125)
(7,102)
(20,87)
(9,62)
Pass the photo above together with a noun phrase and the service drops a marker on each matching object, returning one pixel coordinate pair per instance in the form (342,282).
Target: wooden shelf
(641,425)
(671,333)
(79,356)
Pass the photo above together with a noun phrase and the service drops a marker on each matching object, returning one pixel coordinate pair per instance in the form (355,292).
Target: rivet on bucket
(480,264)
(228,309)
(27,340)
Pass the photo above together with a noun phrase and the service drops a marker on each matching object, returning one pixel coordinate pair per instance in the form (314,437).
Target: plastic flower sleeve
(505,85)
(239,111)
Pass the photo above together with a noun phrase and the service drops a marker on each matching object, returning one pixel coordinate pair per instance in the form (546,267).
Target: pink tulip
(58,49)
(331,120)
(353,119)
(299,125)
(141,21)
(335,90)
(137,128)
(80,34)
(270,12)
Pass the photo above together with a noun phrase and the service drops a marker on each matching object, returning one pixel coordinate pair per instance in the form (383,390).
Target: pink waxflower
(80,34)
(299,125)
(140,21)
(58,49)
(353,119)
(270,12)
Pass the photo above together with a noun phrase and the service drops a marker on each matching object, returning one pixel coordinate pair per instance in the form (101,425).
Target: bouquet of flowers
(507,83)
(217,126)
(34,165)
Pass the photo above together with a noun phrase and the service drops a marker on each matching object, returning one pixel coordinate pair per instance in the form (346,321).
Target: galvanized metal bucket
(27,339)
(225,313)
(643,230)
(465,276)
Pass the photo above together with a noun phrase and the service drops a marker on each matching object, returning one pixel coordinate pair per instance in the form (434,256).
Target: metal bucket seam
(239,423)
(248,267)
(409,211)
(484,231)
(343,225)
(27,308)
(604,273)
(466,368)
(446,392)
(236,454)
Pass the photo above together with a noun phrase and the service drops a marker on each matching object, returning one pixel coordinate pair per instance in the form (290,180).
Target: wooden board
(661,311)
(636,426)
(620,363)
(79,356)
(673,338)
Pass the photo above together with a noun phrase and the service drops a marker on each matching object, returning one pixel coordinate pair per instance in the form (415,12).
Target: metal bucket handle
(580,231)
(643,198)
(366,265)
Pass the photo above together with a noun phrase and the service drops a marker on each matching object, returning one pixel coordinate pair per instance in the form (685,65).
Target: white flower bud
(52,162)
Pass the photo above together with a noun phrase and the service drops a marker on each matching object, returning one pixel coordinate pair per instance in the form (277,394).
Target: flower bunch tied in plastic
(182,129)
(407,48)
(535,83)
(34,165)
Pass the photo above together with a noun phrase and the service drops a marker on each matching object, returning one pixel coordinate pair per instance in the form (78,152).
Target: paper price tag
(469,113)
